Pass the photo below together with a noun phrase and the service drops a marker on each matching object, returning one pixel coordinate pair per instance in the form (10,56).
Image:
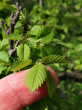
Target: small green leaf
(4,44)
(51,85)
(15,37)
(35,30)
(4,57)
(2,68)
(20,64)
(47,39)
(53,59)
(31,42)
(35,77)
(23,52)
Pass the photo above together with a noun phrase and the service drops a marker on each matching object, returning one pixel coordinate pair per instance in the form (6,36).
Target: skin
(14,95)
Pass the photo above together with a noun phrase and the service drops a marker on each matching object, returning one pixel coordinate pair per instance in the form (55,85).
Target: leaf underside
(51,85)
(20,64)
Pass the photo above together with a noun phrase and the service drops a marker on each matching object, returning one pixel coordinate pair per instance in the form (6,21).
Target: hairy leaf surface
(23,52)
(53,59)
(15,37)
(4,57)
(35,77)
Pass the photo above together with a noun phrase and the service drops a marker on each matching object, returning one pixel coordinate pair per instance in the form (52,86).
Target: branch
(40,2)
(72,75)
(13,19)
(2,26)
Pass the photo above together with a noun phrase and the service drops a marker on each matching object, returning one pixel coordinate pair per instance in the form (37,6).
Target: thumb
(14,95)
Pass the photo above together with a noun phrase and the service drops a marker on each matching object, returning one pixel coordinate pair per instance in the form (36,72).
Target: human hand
(14,95)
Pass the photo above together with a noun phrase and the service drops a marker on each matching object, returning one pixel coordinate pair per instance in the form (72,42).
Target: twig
(72,75)
(13,19)
(40,2)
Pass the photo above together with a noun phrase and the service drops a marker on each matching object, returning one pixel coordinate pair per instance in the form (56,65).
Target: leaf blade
(35,77)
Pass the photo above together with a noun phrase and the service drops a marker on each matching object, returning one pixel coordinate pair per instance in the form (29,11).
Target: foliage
(53,35)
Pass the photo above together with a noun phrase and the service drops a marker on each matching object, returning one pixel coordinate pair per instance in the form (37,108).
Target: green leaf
(23,52)
(8,70)
(50,49)
(51,85)
(4,57)
(31,42)
(20,64)
(2,68)
(47,39)
(15,37)
(35,77)
(53,59)
(4,44)
(35,30)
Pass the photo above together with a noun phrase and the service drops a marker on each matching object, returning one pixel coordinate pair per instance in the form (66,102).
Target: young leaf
(31,42)
(50,49)
(35,30)
(35,77)
(47,35)
(4,44)
(47,39)
(15,37)
(23,52)
(4,57)
(20,64)
(53,59)
(51,85)
(2,68)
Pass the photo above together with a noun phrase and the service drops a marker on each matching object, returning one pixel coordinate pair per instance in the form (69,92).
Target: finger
(14,95)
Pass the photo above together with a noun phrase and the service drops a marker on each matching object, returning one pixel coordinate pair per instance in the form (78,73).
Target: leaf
(15,37)
(53,59)
(50,49)
(31,42)
(46,31)
(51,85)
(35,30)
(20,64)
(47,39)
(23,52)
(4,57)
(35,77)
(4,44)
(2,68)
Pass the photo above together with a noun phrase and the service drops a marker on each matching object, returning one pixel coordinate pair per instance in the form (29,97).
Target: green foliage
(20,64)
(4,44)
(4,57)
(32,43)
(23,52)
(15,37)
(2,68)
(53,30)
(41,105)
(53,59)
(50,84)
(35,77)
(36,30)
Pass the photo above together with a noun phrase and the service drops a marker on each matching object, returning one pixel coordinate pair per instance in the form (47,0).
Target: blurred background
(66,18)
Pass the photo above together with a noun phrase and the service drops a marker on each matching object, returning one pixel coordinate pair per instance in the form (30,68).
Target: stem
(40,2)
